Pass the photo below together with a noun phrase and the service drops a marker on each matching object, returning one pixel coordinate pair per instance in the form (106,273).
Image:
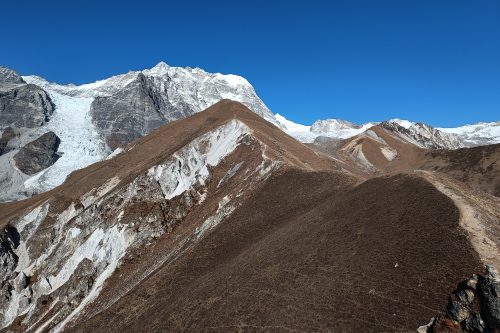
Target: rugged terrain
(94,120)
(222,222)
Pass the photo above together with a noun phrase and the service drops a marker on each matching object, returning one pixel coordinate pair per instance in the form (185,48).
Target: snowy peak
(338,128)
(331,128)
(419,134)
(423,135)
(477,134)
(402,122)
(160,69)
(332,125)
(184,85)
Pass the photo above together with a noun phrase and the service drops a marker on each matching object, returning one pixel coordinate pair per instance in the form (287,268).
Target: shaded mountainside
(221,221)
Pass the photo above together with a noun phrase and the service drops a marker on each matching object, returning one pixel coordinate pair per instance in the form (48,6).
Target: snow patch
(230,173)
(189,165)
(80,144)
(389,153)
(222,211)
(115,152)
(102,247)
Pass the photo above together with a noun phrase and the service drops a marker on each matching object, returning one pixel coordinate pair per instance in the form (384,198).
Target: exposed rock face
(473,307)
(134,111)
(424,136)
(21,104)
(38,154)
(24,105)
(9,241)
(7,135)
(7,75)
(162,94)
(489,294)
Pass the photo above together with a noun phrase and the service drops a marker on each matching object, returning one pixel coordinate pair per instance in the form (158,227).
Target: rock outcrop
(7,75)
(424,136)
(7,135)
(489,295)
(38,154)
(22,104)
(133,112)
(474,307)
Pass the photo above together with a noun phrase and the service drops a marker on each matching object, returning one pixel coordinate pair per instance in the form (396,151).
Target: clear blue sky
(436,61)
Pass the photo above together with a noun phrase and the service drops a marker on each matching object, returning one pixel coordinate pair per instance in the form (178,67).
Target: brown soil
(381,256)
(311,249)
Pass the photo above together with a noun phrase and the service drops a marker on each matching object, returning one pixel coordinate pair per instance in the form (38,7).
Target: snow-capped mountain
(332,128)
(423,136)
(419,134)
(477,134)
(91,120)
(185,85)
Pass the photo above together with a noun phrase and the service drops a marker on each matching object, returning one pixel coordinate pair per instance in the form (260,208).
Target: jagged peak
(160,68)
(8,75)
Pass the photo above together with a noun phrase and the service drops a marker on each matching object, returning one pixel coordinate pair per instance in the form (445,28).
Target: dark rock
(466,296)
(456,310)
(38,154)
(9,240)
(24,105)
(445,325)
(134,112)
(475,324)
(489,295)
(7,135)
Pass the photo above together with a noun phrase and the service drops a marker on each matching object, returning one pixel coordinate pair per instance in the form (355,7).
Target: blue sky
(436,61)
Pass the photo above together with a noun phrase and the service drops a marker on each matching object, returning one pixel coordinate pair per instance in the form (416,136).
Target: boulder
(475,324)
(38,154)
(489,295)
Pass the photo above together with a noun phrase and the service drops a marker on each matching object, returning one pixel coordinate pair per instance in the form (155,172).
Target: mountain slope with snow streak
(477,134)
(62,248)
(87,129)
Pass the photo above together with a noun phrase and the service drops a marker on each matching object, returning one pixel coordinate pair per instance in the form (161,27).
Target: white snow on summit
(332,128)
(81,142)
(402,122)
(477,134)
(192,86)
(300,132)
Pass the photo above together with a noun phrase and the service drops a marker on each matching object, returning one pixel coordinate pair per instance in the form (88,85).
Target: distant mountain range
(464,136)
(91,121)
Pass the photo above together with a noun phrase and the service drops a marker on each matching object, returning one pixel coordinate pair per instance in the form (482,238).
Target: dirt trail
(479,214)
